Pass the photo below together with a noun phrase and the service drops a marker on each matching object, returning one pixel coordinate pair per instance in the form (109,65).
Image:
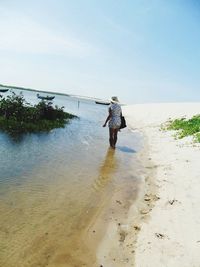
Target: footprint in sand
(123,235)
(149,197)
(171,202)
(137,228)
(160,236)
(145,211)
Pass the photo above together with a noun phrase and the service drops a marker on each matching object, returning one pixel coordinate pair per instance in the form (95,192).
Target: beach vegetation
(186,127)
(18,116)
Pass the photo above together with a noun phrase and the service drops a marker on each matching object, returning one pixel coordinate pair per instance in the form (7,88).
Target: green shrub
(197,137)
(18,116)
(186,127)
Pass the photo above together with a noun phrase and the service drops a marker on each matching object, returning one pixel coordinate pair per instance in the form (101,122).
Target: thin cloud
(22,35)
(116,26)
(120,29)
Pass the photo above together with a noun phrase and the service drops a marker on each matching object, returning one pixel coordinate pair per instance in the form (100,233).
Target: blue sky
(140,50)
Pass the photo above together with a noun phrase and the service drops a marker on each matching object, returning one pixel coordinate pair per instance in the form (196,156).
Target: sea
(53,185)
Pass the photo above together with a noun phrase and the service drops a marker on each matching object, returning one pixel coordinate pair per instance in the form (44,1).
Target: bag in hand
(123,122)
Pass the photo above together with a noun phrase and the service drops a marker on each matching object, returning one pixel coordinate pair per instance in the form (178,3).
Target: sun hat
(114,99)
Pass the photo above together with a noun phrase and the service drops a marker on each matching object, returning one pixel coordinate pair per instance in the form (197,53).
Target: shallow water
(53,184)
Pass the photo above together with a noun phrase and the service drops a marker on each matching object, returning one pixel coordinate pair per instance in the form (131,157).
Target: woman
(114,119)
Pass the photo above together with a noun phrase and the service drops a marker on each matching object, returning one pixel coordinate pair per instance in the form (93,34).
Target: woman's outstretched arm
(108,118)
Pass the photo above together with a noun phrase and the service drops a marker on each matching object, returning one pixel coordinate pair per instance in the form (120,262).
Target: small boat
(3,90)
(102,103)
(45,97)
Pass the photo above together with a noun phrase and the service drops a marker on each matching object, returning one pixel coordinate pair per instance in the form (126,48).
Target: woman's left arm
(108,118)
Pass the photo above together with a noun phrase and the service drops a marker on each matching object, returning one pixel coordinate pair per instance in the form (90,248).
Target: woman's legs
(113,137)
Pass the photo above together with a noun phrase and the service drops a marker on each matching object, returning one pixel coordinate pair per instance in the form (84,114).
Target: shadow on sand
(126,149)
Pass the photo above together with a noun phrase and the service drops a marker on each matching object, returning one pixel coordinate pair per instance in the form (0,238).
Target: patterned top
(115,120)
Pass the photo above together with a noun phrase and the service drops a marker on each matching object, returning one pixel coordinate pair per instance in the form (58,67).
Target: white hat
(114,99)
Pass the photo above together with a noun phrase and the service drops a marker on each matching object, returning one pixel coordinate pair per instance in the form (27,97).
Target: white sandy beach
(170,233)
(163,225)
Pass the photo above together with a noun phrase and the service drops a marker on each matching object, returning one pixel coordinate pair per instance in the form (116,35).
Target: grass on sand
(186,127)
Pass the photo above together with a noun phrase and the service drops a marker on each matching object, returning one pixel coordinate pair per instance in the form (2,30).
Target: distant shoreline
(49,92)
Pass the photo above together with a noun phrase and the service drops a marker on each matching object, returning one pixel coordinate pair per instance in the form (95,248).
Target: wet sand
(118,245)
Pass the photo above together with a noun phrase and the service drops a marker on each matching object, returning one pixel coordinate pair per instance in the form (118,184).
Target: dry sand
(163,226)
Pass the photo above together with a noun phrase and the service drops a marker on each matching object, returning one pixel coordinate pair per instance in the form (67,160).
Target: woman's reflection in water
(108,167)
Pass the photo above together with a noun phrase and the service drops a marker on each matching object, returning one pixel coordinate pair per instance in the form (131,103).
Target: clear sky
(139,50)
